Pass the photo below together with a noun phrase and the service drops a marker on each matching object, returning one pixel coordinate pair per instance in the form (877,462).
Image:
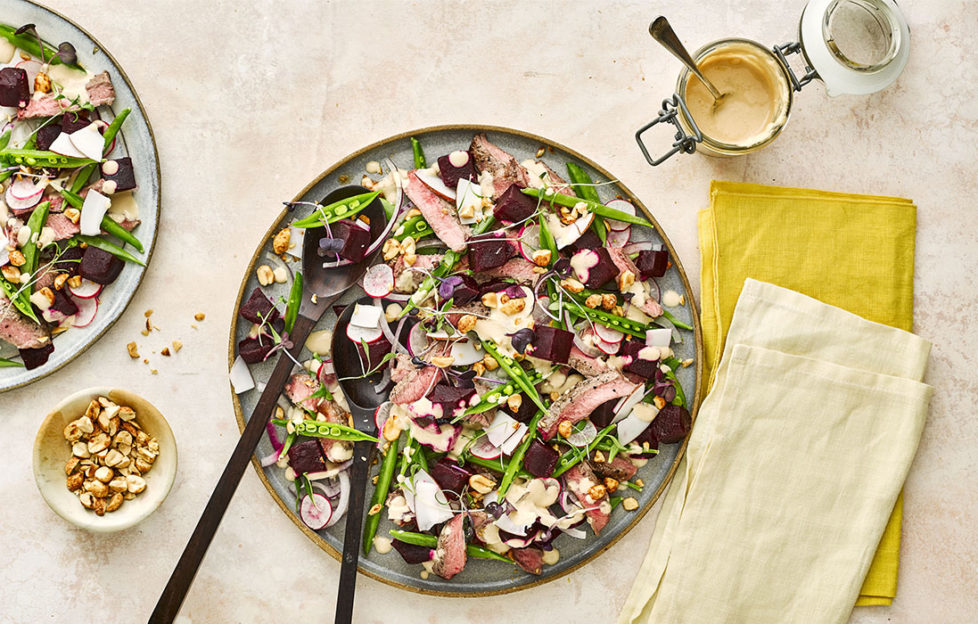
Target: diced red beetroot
(355,239)
(69,260)
(73,121)
(450,174)
(526,410)
(540,460)
(604,413)
(124,177)
(14,90)
(258,308)
(467,291)
(99,266)
(306,456)
(489,251)
(450,398)
(603,272)
(587,240)
(46,136)
(672,424)
(644,368)
(513,205)
(450,477)
(253,350)
(411,553)
(34,358)
(552,344)
(652,263)
(63,303)
(375,353)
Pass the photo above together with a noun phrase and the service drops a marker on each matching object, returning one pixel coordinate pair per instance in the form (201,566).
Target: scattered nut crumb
(687,362)
(630,504)
(199,316)
(177,345)
(133,350)
(148,313)
(154,371)
(165,352)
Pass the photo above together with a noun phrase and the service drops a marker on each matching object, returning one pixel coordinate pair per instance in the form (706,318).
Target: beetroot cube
(540,460)
(672,424)
(34,358)
(412,553)
(46,136)
(99,266)
(355,239)
(552,344)
(254,350)
(306,456)
(375,353)
(466,291)
(450,174)
(450,477)
(513,205)
(14,90)
(604,413)
(652,263)
(450,398)
(648,437)
(71,122)
(489,252)
(526,410)
(258,308)
(63,303)
(602,272)
(632,349)
(69,260)
(124,176)
(587,240)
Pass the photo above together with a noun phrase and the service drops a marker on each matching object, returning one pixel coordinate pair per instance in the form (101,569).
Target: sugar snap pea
(516,461)
(29,43)
(500,465)
(36,223)
(583,185)
(295,300)
(337,210)
(41,158)
(112,248)
(20,298)
(109,135)
(108,225)
(419,159)
(515,372)
(415,227)
(333,431)
(601,317)
(423,539)
(380,496)
(5,363)
(596,207)
(574,456)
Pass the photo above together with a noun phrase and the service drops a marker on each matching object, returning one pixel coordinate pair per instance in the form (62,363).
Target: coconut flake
(93,210)
(241,379)
(88,141)
(63,145)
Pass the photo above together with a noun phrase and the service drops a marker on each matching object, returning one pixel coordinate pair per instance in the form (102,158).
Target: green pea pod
(515,372)
(415,227)
(113,129)
(516,461)
(547,240)
(615,501)
(341,209)
(430,541)
(295,300)
(491,399)
(419,159)
(36,223)
(110,227)
(41,158)
(595,207)
(5,363)
(583,185)
(29,43)
(112,248)
(419,457)
(333,431)
(672,319)
(380,496)
(4,139)
(499,465)
(574,456)
(20,298)
(602,317)
(81,178)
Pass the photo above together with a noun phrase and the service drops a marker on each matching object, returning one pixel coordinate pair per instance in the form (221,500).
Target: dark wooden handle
(351,536)
(186,569)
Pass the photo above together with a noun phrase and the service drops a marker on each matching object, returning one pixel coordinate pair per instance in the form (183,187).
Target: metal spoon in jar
(662,31)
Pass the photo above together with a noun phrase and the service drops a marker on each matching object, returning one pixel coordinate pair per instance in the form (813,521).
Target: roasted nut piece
(97,488)
(630,504)
(142,465)
(541,257)
(481,483)
(608,301)
(136,484)
(489,362)
(598,457)
(514,402)
(114,458)
(625,280)
(659,402)
(565,428)
(104,474)
(59,281)
(610,484)
(133,350)
(593,301)
(98,505)
(72,465)
(280,244)
(93,411)
(114,503)
(490,300)
(86,499)
(572,285)
(118,485)
(265,274)
(99,443)
(479,368)
(443,361)
(467,323)
(513,306)
(122,438)
(80,449)
(126,414)
(596,492)
(16,258)
(42,83)
(75,481)
(10,273)
(73,432)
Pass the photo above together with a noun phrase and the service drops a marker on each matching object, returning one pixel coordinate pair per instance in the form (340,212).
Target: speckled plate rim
(150,246)
(316,538)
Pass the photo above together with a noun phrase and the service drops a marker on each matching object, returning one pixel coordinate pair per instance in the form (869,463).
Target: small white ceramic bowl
(52,451)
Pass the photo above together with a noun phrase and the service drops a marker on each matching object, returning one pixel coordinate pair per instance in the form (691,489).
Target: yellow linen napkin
(773,440)
(852,251)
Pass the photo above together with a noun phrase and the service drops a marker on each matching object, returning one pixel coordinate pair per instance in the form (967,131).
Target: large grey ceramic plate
(480,577)
(136,142)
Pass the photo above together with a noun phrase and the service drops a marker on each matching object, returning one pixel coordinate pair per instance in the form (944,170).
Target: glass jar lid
(856,46)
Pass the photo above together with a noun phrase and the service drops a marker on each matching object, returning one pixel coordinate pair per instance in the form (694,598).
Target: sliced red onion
(389,227)
(636,247)
(344,502)
(536,293)
(269,459)
(662,321)
(654,290)
(273,436)
(390,335)
(575,533)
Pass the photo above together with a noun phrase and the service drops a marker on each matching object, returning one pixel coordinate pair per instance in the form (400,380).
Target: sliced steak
(450,555)
(583,398)
(19,330)
(504,168)
(619,469)
(518,268)
(623,263)
(414,385)
(579,480)
(63,227)
(43,105)
(407,279)
(100,90)
(585,364)
(300,388)
(529,558)
(439,214)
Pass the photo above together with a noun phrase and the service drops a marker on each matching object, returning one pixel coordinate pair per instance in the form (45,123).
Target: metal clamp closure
(685,143)
(782,51)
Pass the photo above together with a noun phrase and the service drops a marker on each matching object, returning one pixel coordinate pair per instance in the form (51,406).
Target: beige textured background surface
(250,100)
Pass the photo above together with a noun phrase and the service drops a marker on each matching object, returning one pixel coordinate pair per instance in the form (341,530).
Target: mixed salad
(66,207)
(520,330)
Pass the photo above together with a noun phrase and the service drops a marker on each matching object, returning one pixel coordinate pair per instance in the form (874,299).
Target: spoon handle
(351,536)
(186,569)
(662,31)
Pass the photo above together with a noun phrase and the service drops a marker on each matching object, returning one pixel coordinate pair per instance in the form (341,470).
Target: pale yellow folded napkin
(794,464)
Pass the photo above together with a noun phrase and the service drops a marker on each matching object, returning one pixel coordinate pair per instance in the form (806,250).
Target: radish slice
(363,334)
(609,335)
(378,281)
(529,241)
(608,348)
(620,205)
(21,204)
(94,208)
(86,290)
(382,414)
(514,440)
(63,145)
(619,238)
(484,449)
(586,341)
(584,436)
(315,511)
(502,427)
(26,189)
(241,379)
(87,308)
(88,141)
(434,183)
(417,340)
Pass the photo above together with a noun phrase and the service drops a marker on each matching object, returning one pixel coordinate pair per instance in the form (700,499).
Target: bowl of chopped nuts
(104,459)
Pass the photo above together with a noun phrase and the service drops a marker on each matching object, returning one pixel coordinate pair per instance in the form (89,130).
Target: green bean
(20,298)
(388,207)
(41,158)
(515,372)
(672,319)
(516,461)
(595,207)
(574,456)
(583,185)
(113,128)
(337,210)
(289,440)
(108,225)
(423,539)
(380,496)
(295,300)
(30,44)
(36,223)
(499,465)
(333,431)
(112,248)
(629,484)
(5,363)
(419,159)
(415,227)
